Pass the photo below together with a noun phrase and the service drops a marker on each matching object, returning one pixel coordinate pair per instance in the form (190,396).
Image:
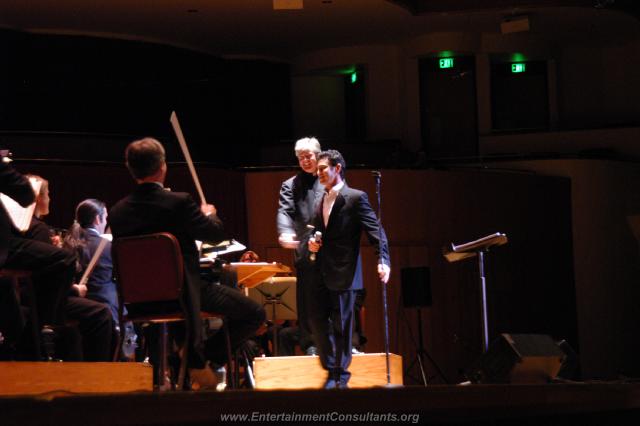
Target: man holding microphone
(341,217)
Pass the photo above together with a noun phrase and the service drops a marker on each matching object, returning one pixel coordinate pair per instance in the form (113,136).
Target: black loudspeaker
(519,358)
(416,287)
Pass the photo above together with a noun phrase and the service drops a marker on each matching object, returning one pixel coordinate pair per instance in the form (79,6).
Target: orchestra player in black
(52,268)
(150,208)
(95,322)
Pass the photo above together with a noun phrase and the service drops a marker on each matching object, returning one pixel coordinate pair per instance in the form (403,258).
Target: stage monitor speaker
(416,287)
(518,358)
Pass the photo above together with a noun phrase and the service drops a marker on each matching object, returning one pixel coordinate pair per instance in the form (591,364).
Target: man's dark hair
(334,158)
(88,210)
(144,157)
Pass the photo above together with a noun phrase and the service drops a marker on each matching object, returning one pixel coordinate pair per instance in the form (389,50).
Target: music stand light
(478,248)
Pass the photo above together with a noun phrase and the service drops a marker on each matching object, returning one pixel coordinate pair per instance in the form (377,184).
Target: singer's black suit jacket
(338,260)
(337,273)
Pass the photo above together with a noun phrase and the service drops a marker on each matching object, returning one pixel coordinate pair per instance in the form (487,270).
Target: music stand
(280,293)
(478,248)
(252,274)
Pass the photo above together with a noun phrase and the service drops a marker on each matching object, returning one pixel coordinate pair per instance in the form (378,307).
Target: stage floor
(580,403)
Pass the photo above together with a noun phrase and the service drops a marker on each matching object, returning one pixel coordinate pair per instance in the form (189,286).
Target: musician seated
(94,319)
(150,209)
(51,267)
(84,238)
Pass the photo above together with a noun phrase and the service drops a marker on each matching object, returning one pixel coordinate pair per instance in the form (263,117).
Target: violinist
(52,267)
(94,317)
(150,209)
(84,238)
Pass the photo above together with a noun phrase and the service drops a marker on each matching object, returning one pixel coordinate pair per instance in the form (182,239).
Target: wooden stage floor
(550,404)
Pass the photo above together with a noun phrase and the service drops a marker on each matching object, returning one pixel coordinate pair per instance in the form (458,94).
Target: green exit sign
(446,63)
(518,67)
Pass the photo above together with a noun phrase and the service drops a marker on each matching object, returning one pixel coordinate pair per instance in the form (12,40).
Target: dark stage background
(83,88)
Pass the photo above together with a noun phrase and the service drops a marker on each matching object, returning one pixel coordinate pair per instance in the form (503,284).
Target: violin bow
(185,150)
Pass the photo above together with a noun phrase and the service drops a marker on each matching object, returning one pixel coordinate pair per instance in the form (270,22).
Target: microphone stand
(377,176)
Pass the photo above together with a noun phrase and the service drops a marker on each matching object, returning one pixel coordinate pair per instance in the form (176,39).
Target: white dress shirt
(329,200)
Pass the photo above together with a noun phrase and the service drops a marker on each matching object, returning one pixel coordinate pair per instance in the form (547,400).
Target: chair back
(148,268)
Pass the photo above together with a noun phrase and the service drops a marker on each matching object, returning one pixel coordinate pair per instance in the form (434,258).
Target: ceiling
(252,28)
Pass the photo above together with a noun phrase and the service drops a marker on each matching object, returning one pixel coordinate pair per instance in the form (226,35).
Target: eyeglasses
(305,156)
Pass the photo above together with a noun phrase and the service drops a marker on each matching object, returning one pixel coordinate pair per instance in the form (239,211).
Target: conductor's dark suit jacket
(339,260)
(299,196)
(150,209)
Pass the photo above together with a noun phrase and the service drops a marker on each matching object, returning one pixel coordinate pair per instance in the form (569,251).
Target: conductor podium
(305,372)
(277,294)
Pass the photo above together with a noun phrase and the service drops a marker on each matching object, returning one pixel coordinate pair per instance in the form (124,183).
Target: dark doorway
(519,96)
(448,109)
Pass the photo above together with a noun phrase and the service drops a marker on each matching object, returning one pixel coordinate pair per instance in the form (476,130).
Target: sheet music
(458,252)
(210,252)
(223,247)
(21,216)
(252,263)
(499,238)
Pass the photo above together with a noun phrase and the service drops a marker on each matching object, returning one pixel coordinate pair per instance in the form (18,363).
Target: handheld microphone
(317,238)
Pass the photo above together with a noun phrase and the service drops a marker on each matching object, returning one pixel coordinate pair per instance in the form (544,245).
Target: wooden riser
(30,378)
(305,372)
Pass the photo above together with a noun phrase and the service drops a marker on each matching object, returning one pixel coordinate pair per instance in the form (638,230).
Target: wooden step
(305,372)
(29,378)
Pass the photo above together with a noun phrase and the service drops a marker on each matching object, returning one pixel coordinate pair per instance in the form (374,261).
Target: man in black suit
(52,268)
(342,215)
(298,198)
(150,209)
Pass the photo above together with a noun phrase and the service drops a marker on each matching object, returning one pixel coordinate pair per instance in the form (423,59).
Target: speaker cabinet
(518,358)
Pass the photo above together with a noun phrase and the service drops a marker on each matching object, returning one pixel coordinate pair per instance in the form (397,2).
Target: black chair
(13,277)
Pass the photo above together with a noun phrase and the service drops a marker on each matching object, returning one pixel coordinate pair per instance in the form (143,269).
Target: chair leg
(164,375)
(248,372)
(36,330)
(117,335)
(233,367)
(180,385)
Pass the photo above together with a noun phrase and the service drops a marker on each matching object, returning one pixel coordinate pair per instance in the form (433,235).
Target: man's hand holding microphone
(314,243)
